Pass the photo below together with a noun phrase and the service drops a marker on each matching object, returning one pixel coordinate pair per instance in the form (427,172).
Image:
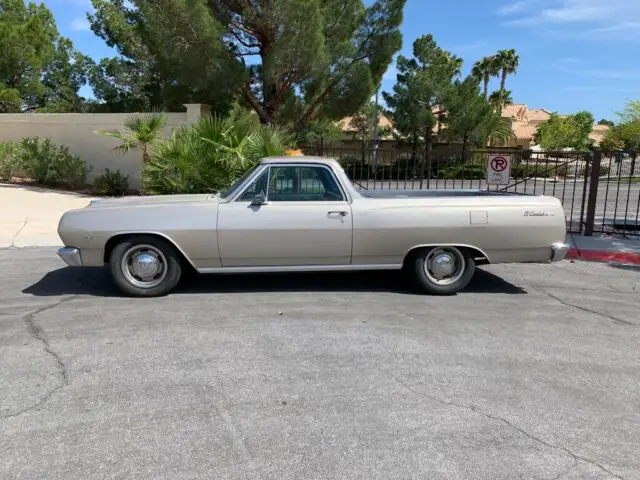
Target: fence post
(195,111)
(593,192)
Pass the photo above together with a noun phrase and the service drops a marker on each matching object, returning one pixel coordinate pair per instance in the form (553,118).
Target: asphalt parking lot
(532,372)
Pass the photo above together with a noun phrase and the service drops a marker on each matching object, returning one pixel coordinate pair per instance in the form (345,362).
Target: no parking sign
(498,169)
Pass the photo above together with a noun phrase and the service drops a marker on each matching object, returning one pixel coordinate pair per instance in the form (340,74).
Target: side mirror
(258,200)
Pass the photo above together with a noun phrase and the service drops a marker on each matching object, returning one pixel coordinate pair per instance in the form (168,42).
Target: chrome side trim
(300,268)
(71,256)
(559,251)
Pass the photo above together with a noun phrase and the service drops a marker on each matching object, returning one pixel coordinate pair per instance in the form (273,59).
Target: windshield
(234,187)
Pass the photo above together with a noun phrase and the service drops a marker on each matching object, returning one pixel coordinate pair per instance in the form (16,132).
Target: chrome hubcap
(144,266)
(444,265)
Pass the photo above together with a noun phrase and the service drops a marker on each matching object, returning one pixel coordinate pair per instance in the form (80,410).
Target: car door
(303,219)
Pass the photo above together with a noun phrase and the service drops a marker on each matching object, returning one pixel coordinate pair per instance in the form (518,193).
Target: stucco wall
(77,131)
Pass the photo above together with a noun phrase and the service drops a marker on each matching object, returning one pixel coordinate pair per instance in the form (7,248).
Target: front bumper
(559,251)
(71,256)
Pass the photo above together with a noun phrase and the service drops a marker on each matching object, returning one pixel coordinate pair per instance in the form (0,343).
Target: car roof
(297,159)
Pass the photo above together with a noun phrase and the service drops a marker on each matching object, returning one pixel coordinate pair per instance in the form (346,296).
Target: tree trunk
(426,158)
(486,86)
(428,149)
(269,99)
(503,81)
(269,84)
(465,141)
(414,156)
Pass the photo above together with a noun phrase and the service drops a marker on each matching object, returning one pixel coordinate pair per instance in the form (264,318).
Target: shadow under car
(96,281)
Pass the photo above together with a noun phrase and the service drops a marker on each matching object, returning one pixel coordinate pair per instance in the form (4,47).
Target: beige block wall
(77,131)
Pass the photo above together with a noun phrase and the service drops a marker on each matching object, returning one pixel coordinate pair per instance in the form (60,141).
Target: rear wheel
(145,266)
(441,270)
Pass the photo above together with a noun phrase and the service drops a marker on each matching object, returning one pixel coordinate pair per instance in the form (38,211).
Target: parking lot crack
(586,309)
(15,235)
(575,457)
(38,334)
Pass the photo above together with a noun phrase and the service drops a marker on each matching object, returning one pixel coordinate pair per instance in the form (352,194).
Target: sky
(574,54)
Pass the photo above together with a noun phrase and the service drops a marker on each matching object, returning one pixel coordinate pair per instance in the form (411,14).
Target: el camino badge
(533,213)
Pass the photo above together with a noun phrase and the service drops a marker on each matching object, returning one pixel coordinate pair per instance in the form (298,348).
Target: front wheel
(145,266)
(441,270)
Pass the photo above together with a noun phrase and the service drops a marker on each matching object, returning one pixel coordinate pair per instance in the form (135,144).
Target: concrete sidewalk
(29,215)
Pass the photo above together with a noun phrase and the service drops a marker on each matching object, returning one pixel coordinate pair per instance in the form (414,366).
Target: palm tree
(142,131)
(485,70)
(211,154)
(501,131)
(507,62)
(498,100)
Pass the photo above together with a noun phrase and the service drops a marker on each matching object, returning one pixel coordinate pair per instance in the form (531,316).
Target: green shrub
(38,158)
(525,171)
(49,164)
(9,160)
(463,172)
(210,154)
(70,170)
(110,183)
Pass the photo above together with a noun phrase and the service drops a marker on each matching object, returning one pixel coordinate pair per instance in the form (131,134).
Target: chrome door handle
(342,213)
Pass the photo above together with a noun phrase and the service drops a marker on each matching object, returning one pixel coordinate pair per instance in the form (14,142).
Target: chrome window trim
(345,197)
(262,166)
(266,194)
(259,170)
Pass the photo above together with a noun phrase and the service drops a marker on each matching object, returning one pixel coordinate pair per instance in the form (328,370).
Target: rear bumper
(71,256)
(559,251)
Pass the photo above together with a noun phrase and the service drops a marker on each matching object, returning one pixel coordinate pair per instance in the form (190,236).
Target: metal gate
(599,193)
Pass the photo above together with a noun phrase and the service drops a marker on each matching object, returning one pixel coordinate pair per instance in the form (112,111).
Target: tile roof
(345,123)
(525,132)
(513,110)
(538,114)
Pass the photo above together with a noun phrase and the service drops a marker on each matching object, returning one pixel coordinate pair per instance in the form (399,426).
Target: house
(385,125)
(524,122)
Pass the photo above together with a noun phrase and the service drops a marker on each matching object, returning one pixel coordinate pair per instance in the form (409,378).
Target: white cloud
(601,15)
(576,68)
(80,24)
(517,7)
(631,26)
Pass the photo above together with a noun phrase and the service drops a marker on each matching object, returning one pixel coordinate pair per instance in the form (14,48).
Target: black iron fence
(600,193)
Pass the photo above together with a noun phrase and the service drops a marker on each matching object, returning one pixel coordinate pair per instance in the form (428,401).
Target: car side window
(303,184)
(259,185)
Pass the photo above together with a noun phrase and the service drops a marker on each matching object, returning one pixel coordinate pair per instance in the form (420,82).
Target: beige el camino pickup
(293,214)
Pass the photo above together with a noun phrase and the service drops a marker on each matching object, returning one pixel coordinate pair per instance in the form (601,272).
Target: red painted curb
(632,258)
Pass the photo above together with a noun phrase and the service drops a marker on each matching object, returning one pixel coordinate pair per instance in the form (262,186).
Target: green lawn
(613,179)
